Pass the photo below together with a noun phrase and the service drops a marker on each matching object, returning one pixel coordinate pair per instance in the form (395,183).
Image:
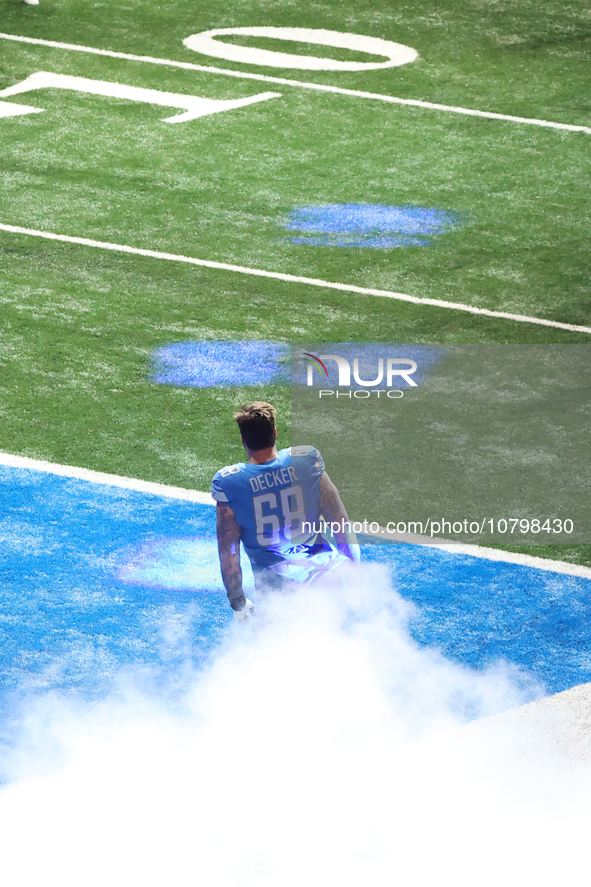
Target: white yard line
(290,278)
(143,486)
(300,84)
(481,551)
(514,557)
(112,480)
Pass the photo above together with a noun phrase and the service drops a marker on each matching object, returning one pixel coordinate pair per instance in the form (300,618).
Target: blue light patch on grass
(217,363)
(369,225)
(178,564)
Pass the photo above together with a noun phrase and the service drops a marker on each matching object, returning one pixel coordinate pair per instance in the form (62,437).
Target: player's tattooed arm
(228,533)
(333,511)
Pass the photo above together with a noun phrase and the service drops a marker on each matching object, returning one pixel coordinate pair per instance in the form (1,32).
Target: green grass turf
(221,187)
(79,325)
(512,56)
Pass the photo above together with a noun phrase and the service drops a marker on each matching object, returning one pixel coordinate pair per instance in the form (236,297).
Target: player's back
(272,500)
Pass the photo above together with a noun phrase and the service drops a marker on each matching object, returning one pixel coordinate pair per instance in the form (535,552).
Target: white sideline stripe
(302,84)
(481,551)
(514,557)
(291,278)
(112,480)
(144,486)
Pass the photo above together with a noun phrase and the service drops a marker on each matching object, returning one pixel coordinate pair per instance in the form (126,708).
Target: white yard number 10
(269,524)
(194,106)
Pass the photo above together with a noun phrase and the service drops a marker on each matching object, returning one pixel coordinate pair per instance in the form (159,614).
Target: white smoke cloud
(323,748)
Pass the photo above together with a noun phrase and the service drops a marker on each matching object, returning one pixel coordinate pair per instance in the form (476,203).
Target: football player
(273,504)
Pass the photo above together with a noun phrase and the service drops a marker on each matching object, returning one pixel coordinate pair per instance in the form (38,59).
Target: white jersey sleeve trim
(217,492)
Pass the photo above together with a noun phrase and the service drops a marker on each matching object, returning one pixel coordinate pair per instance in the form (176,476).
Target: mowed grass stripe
(300,84)
(290,278)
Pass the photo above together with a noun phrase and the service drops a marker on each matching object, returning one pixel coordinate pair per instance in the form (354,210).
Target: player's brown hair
(256,422)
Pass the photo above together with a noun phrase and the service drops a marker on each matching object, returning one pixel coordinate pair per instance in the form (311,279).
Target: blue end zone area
(81,596)
(98,579)
(478,611)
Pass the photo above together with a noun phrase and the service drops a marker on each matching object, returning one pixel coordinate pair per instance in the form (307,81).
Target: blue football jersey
(273,501)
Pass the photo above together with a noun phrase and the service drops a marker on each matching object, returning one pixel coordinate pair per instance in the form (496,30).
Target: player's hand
(245,613)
